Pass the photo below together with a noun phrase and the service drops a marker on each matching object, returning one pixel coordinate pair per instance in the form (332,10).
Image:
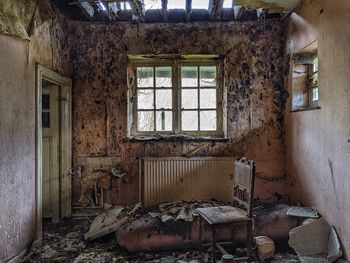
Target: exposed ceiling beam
(238,12)
(215,8)
(140,9)
(165,10)
(188,10)
(87,8)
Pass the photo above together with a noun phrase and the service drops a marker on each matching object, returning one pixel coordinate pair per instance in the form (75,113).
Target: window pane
(153,4)
(176,4)
(145,99)
(189,76)
(207,98)
(45,102)
(200,4)
(315,94)
(145,121)
(189,121)
(164,121)
(145,77)
(164,99)
(189,99)
(208,76)
(163,77)
(208,120)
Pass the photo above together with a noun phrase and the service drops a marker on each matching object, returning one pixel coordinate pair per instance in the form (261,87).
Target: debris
(47,252)
(197,149)
(137,206)
(302,212)
(93,257)
(266,247)
(105,224)
(166,218)
(315,242)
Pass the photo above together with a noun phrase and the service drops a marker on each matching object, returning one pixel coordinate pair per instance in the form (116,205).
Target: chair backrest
(243,188)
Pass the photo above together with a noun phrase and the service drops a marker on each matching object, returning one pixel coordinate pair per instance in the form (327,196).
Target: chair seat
(222,214)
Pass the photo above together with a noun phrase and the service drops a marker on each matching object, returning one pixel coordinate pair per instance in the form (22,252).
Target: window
(176,97)
(305,79)
(176,4)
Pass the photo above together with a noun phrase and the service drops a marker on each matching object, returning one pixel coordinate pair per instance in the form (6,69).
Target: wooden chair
(239,213)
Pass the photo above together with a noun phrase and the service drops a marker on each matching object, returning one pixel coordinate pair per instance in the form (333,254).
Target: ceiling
(115,10)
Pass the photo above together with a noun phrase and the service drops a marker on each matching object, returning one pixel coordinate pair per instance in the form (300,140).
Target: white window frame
(176,64)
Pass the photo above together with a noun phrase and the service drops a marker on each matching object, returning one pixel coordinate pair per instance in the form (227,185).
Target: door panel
(50,125)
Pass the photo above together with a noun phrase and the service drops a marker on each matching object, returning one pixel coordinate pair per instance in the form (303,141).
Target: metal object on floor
(239,213)
(302,212)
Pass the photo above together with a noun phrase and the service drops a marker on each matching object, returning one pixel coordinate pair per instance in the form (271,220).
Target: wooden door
(50,154)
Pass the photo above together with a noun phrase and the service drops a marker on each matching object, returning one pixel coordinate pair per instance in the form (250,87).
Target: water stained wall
(254,68)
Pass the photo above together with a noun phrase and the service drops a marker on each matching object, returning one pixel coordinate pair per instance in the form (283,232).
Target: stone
(47,252)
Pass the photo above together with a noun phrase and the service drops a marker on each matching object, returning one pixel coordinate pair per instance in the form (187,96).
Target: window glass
(207,120)
(145,77)
(163,99)
(153,4)
(189,120)
(164,121)
(189,99)
(227,4)
(207,76)
(145,99)
(189,76)
(200,4)
(145,121)
(163,77)
(207,98)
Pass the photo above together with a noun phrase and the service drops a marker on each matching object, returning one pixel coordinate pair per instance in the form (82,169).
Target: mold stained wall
(254,71)
(318,151)
(18,57)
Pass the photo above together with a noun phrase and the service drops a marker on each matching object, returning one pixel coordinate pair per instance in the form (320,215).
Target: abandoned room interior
(174,131)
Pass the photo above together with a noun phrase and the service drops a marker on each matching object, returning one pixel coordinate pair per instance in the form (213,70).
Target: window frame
(176,64)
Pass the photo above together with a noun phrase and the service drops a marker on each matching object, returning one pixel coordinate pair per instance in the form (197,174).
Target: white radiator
(176,178)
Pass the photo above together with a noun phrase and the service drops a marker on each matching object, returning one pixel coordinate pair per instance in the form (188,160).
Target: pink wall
(317,147)
(17,130)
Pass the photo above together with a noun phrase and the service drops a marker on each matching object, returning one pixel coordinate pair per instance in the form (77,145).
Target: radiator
(175,178)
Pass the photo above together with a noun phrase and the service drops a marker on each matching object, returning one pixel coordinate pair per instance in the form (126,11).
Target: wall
(17,129)
(318,154)
(254,79)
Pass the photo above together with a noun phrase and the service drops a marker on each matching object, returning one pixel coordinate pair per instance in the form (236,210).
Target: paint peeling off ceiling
(272,5)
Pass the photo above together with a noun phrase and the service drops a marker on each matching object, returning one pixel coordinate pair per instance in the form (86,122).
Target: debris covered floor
(65,242)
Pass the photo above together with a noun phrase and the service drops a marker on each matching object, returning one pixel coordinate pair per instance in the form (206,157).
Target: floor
(64,243)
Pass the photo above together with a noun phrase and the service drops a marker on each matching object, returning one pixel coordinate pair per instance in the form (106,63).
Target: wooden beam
(238,12)
(165,10)
(140,9)
(87,8)
(261,13)
(215,8)
(188,10)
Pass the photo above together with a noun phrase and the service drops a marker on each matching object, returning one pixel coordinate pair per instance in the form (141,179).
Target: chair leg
(213,245)
(249,242)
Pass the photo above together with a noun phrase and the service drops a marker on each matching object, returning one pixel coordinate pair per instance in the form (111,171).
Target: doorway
(53,147)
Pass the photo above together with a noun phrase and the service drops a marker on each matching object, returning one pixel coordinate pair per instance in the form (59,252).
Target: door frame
(65,150)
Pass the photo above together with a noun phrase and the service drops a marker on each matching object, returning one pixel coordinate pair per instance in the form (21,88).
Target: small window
(176,97)
(305,79)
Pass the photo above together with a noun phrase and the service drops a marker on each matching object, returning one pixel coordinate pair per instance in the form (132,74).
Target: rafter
(87,8)
(215,8)
(165,10)
(188,10)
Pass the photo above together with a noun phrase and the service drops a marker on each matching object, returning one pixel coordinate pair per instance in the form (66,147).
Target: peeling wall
(317,147)
(254,79)
(48,47)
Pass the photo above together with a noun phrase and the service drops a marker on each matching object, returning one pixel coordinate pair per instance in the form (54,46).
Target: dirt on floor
(64,242)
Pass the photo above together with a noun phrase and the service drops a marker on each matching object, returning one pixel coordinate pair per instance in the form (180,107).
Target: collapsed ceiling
(174,10)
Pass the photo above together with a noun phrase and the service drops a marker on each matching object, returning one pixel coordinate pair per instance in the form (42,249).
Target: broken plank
(91,235)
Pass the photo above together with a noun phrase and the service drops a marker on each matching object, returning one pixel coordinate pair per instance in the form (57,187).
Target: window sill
(176,138)
(306,109)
